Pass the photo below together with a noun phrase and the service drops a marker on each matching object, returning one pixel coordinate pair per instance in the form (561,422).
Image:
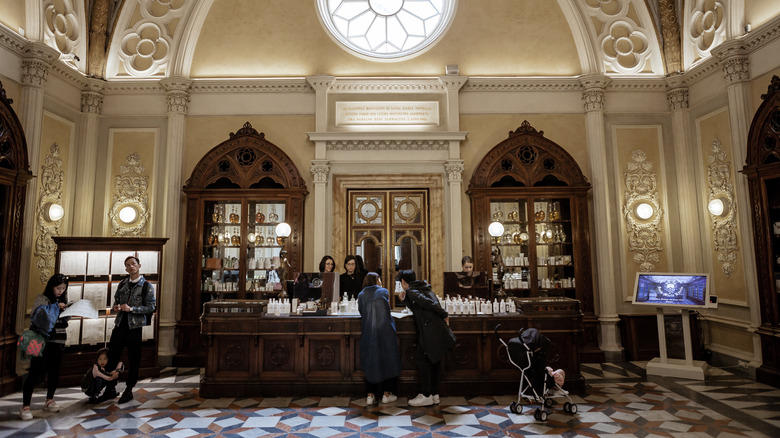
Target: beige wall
(711,127)
(12,14)
(487,131)
(533,40)
(54,130)
(758,12)
(627,139)
(759,85)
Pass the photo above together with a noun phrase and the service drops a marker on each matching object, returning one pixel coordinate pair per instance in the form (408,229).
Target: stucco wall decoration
(147,45)
(644,235)
(131,188)
(623,31)
(724,233)
(705,23)
(62,31)
(50,192)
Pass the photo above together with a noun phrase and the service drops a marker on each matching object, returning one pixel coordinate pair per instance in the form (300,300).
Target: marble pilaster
(87,146)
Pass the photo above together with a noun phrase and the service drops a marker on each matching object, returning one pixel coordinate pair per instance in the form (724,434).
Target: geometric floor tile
(620,400)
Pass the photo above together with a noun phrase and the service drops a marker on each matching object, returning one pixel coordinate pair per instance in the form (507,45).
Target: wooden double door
(389,229)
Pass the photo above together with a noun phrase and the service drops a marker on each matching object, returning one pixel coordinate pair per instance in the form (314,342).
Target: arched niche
(762,169)
(254,177)
(14,175)
(524,174)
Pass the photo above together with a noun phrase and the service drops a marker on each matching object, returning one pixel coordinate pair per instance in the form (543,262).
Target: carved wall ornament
(626,47)
(670,29)
(736,69)
(319,170)
(677,98)
(34,72)
(721,187)
(50,193)
(706,26)
(644,236)
(91,102)
(146,46)
(594,99)
(131,188)
(62,30)
(387,144)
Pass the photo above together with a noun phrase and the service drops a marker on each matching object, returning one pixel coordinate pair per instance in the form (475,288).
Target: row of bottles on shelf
(522,260)
(469,306)
(233,217)
(519,280)
(552,214)
(543,234)
(228,238)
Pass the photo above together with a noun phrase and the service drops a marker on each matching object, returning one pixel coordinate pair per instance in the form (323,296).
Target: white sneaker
(26,414)
(421,400)
(436,400)
(370,400)
(389,398)
(51,406)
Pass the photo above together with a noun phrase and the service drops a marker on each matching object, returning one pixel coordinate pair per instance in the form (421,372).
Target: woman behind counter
(379,355)
(351,281)
(327,264)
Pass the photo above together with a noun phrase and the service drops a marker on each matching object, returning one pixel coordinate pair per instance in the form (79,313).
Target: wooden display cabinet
(536,190)
(95,266)
(763,172)
(237,194)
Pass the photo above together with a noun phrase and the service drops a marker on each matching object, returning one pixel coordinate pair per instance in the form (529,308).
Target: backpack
(144,290)
(31,343)
(87,379)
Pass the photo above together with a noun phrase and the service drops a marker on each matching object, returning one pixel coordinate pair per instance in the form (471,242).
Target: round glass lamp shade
(644,211)
(128,214)
(496,229)
(283,229)
(55,212)
(717,207)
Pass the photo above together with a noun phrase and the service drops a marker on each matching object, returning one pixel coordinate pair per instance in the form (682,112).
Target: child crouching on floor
(96,378)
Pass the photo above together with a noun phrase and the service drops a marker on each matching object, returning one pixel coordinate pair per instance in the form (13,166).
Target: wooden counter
(253,354)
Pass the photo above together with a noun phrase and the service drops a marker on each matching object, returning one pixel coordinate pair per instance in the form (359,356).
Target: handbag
(31,343)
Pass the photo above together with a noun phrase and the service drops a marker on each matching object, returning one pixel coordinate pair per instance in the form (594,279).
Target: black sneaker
(109,393)
(94,400)
(126,397)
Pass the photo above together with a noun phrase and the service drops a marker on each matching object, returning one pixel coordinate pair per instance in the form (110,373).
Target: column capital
(321,82)
(92,96)
(734,59)
(453,82)
(454,170)
(320,170)
(37,59)
(593,93)
(677,98)
(177,90)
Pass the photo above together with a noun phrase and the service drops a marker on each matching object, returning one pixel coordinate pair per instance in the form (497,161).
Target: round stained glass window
(386,29)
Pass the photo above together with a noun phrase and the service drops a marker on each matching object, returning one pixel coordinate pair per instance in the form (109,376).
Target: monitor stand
(663,366)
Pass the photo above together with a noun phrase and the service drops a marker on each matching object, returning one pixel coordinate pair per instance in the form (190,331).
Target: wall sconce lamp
(54,212)
(283,231)
(644,211)
(718,206)
(496,230)
(128,214)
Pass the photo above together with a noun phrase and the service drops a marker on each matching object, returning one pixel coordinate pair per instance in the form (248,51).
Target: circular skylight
(386,29)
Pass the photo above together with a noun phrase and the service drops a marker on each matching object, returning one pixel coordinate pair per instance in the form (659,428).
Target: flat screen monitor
(662,289)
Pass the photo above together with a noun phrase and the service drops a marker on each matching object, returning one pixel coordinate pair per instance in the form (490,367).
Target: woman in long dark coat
(379,355)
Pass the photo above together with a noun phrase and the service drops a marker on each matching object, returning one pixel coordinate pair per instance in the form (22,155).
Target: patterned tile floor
(620,402)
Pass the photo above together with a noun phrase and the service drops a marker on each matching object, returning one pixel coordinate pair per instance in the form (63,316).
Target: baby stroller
(528,352)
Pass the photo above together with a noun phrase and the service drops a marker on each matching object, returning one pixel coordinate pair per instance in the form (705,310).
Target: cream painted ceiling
(284,38)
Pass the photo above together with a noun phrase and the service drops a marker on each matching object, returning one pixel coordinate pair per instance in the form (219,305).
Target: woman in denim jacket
(134,304)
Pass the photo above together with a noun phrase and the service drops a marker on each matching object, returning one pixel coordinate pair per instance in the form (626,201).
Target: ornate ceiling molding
(296,85)
(704,28)
(388,145)
(724,234)
(63,30)
(644,236)
(521,84)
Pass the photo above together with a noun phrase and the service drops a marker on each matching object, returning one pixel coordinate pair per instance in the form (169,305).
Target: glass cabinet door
(221,250)
(262,249)
(535,253)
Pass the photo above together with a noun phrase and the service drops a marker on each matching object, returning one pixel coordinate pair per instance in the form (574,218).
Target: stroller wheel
(540,415)
(548,402)
(516,408)
(573,409)
(567,407)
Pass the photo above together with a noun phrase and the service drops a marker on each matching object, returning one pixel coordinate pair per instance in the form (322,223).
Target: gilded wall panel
(715,127)
(131,180)
(639,146)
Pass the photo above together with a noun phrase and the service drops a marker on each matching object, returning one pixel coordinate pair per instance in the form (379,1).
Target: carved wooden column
(593,95)
(736,69)
(177,94)
(685,173)
(83,206)
(36,63)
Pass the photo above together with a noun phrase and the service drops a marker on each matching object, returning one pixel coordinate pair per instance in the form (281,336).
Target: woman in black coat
(435,338)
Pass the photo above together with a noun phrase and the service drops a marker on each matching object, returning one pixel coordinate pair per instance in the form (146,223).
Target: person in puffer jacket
(45,319)
(134,304)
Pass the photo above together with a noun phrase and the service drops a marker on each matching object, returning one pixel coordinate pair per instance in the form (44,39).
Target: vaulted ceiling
(137,39)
